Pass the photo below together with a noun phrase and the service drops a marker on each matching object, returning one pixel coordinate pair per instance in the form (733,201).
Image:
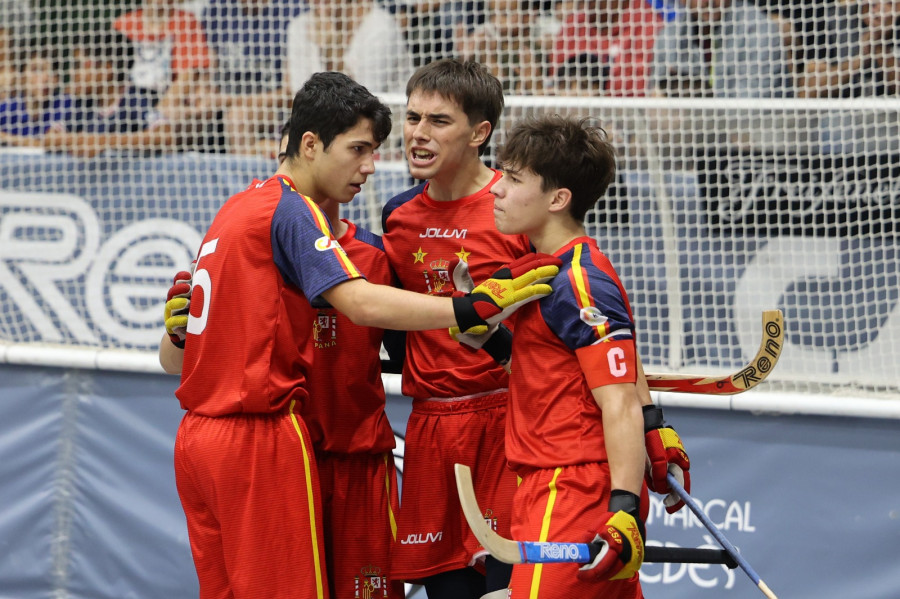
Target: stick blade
(505,550)
(743,380)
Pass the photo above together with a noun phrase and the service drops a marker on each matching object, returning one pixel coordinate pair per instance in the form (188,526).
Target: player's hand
(178,304)
(494,300)
(665,453)
(496,340)
(622,540)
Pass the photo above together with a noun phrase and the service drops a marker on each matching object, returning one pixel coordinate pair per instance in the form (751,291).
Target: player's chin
(422,173)
(501,223)
(352,192)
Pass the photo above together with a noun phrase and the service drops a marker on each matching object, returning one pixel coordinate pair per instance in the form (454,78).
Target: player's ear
(480,133)
(308,144)
(561,200)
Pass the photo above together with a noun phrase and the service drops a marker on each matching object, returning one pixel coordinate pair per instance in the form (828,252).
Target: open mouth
(421,156)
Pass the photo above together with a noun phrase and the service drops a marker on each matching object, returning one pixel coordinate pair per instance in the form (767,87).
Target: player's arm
(372,305)
(610,369)
(665,451)
(621,528)
(623,431)
(171,358)
(489,303)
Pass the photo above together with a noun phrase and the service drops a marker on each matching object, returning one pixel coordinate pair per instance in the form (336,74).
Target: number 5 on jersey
(197,323)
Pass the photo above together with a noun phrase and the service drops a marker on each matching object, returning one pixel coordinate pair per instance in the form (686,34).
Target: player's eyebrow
(432,116)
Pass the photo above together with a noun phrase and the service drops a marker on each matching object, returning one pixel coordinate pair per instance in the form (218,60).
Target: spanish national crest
(490,519)
(371,584)
(325,330)
(437,278)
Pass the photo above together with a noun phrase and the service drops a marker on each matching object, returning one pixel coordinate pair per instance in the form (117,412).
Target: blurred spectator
(860,58)
(431,26)
(720,48)
(106,101)
(38,102)
(582,74)
(621,33)
(247,38)
(427,30)
(507,44)
(16,22)
(171,60)
(805,30)
(110,113)
(855,54)
(360,39)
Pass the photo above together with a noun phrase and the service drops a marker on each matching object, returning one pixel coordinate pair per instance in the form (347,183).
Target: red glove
(178,304)
(665,454)
(622,537)
(508,289)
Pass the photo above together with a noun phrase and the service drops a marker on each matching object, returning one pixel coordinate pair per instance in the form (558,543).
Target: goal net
(759,164)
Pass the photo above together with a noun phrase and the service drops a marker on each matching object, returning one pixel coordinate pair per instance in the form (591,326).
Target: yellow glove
(178,305)
(508,289)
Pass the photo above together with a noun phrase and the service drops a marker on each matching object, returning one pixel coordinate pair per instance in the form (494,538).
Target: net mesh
(757,144)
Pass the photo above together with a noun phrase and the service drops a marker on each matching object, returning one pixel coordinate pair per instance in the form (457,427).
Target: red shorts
(576,509)
(360,500)
(433,535)
(250,492)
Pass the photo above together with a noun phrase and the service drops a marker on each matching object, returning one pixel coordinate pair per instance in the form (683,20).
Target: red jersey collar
(574,242)
(486,190)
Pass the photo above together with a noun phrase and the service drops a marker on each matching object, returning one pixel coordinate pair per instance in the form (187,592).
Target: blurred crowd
(219,75)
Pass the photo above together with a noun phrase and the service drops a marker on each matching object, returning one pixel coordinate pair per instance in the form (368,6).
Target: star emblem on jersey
(462,254)
(419,256)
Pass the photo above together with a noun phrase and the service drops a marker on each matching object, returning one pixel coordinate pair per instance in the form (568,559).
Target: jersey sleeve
(590,315)
(305,248)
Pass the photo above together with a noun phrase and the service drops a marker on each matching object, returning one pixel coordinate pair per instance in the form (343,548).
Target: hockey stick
(528,552)
(742,380)
(679,490)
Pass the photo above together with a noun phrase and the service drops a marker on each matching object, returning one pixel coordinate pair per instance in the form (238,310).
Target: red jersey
(248,350)
(577,338)
(346,413)
(421,237)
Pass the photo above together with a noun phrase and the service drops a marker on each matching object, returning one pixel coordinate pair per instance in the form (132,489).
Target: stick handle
(687,555)
(679,490)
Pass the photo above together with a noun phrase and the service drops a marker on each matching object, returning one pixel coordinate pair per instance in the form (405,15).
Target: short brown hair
(468,83)
(564,152)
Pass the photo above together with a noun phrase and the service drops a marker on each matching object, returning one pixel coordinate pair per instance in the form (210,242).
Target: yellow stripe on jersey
(388,465)
(311,501)
(322,223)
(545,533)
(582,288)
